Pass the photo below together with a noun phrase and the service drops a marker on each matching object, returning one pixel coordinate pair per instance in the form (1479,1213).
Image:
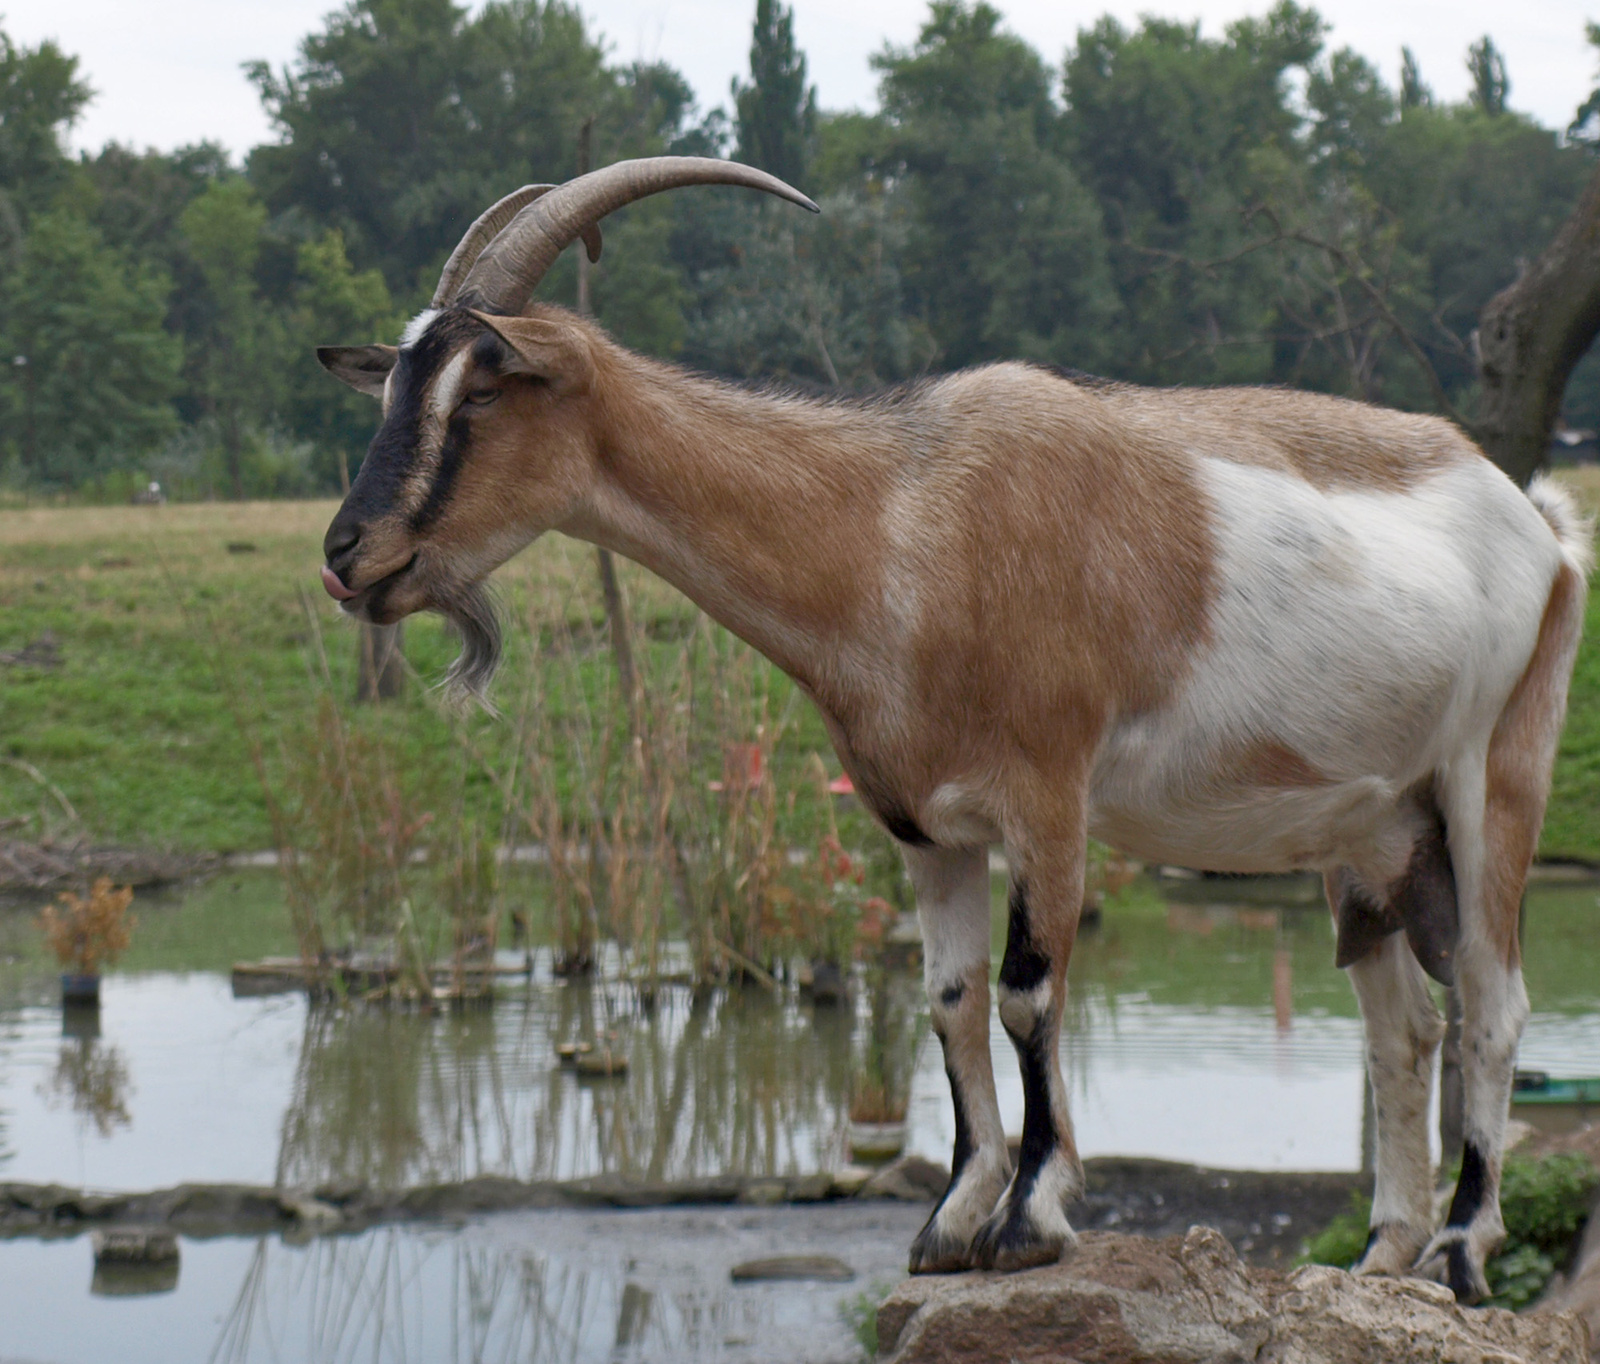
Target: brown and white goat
(1245,630)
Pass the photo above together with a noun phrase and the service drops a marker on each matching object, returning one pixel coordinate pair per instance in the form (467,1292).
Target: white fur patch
(1373,635)
(417,326)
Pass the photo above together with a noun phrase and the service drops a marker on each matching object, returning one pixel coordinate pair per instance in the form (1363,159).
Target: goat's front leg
(952,888)
(1029,1226)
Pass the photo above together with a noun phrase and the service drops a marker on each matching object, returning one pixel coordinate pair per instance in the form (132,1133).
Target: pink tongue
(336,589)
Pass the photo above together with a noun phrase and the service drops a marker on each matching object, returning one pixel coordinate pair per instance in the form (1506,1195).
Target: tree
(776,112)
(93,372)
(403,119)
(233,355)
(1413,93)
(1490,84)
(1178,135)
(334,304)
(1531,337)
(40,98)
(1006,255)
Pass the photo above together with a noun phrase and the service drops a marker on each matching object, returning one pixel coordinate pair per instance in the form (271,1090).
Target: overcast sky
(167,72)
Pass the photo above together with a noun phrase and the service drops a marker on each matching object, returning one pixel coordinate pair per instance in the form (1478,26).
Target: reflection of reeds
(728,1081)
(92,1078)
(398,1295)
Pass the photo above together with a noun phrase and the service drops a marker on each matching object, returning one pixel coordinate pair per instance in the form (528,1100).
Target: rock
(1579,1293)
(764,1193)
(851,1180)
(823,1268)
(817,1188)
(133,1261)
(913,1179)
(133,1245)
(1118,1299)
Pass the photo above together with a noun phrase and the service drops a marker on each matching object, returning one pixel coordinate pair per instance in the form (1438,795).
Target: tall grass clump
(687,813)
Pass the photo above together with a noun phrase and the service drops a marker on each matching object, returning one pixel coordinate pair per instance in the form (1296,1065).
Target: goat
(1245,630)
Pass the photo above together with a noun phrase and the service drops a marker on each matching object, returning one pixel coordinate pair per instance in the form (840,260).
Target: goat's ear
(364,368)
(543,348)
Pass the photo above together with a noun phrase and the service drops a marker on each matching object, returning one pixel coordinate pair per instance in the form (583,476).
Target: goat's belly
(1244,830)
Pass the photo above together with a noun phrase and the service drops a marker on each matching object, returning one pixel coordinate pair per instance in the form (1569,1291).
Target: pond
(1202,1028)
(1207,1024)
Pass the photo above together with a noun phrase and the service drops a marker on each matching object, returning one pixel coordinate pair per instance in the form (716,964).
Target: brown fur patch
(1521,755)
(1331,443)
(1269,763)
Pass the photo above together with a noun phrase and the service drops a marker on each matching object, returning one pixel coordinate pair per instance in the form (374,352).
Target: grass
(176,652)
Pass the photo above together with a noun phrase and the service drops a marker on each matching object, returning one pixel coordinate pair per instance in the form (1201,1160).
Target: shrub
(86,934)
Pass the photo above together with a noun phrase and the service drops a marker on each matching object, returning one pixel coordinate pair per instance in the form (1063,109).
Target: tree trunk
(610,590)
(1531,334)
(383,664)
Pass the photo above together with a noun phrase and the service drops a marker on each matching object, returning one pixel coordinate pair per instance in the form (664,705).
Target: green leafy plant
(1341,1242)
(1544,1203)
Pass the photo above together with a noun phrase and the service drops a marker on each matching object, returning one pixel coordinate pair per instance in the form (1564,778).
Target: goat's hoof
(939,1251)
(1452,1259)
(1011,1240)
(1392,1249)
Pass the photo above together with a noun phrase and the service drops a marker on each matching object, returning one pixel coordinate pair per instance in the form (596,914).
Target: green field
(180,659)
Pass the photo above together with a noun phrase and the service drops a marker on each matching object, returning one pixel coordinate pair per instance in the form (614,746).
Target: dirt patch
(27,868)
(1265,1215)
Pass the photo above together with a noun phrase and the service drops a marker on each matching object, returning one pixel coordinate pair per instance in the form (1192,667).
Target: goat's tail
(1573,528)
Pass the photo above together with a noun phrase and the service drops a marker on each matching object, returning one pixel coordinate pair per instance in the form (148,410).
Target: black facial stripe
(457,437)
(392,455)
(1024,965)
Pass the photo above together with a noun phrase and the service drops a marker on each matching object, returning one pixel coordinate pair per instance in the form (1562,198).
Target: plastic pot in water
(79,989)
(872,1142)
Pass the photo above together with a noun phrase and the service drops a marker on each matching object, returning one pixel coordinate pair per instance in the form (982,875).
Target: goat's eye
(482,397)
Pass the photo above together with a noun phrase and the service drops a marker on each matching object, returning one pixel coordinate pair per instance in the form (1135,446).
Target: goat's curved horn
(478,236)
(511,266)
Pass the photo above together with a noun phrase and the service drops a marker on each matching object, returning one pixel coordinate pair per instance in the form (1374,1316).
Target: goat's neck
(763,511)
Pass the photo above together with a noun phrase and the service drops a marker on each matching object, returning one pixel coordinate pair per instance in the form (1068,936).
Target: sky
(167,72)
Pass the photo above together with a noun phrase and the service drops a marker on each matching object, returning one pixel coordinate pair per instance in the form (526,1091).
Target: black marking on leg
(951,995)
(900,824)
(1460,1274)
(1425,900)
(934,1250)
(963,1149)
(1374,1234)
(1470,1188)
(1038,1123)
(1024,965)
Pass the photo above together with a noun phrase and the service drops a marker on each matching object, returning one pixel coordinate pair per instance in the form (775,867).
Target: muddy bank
(1265,1215)
(28,868)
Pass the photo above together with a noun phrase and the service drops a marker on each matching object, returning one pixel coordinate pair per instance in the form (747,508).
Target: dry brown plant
(88,933)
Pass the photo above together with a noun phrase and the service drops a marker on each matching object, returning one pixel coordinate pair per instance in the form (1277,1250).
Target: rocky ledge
(1118,1299)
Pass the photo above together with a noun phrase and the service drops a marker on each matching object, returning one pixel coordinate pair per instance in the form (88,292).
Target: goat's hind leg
(1403,1031)
(953,903)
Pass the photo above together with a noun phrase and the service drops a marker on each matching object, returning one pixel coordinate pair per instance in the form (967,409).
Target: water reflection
(1212,1032)
(557,1288)
(730,1082)
(91,1078)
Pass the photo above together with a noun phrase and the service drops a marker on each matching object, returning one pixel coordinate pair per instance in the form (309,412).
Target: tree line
(1162,206)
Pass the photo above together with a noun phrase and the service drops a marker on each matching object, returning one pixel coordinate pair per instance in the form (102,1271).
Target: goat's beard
(470,609)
